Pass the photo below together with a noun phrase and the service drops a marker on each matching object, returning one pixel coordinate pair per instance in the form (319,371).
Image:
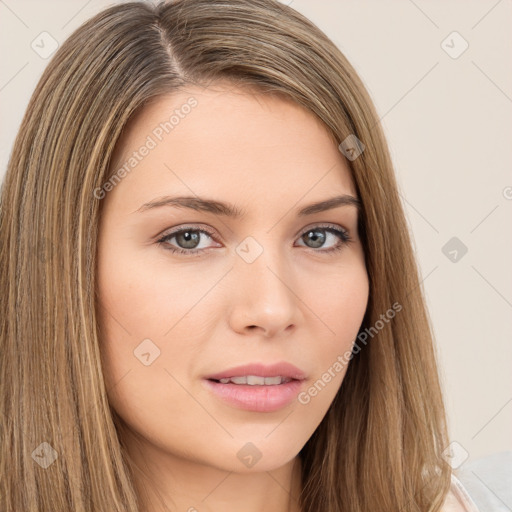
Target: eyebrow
(229,210)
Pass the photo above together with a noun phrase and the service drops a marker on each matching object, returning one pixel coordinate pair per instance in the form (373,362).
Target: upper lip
(282,369)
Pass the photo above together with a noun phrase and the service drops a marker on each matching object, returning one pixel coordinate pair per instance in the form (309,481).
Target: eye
(317,236)
(189,239)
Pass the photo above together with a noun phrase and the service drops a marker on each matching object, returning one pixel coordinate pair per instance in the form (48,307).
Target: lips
(257,387)
(284,370)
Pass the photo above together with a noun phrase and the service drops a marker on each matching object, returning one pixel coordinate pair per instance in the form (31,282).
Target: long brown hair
(380,444)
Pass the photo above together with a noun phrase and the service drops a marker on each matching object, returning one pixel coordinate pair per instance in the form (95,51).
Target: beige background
(448,122)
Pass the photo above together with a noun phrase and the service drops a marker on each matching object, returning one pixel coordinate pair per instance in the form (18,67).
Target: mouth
(254,380)
(256,387)
(255,372)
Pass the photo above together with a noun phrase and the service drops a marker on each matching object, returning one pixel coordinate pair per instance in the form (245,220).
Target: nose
(265,300)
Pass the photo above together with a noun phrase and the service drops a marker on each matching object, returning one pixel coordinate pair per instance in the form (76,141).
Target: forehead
(230,142)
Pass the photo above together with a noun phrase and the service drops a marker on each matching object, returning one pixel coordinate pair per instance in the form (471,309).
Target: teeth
(273,380)
(238,380)
(254,380)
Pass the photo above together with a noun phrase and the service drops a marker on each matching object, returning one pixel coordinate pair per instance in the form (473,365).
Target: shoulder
(457,499)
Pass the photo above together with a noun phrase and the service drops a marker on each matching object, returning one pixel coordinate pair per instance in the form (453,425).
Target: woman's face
(188,291)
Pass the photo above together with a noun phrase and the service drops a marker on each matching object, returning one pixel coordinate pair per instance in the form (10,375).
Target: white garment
(457,499)
(488,480)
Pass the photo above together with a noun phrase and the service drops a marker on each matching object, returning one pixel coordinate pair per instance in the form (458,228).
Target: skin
(294,302)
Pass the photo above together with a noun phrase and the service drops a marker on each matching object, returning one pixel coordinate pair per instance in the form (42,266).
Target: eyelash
(345,239)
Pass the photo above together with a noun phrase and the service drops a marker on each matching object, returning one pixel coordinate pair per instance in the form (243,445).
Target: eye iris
(316,236)
(191,239)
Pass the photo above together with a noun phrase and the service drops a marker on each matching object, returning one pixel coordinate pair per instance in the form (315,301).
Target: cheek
(145,348)
(151,323)
(139,298)
(349,305)
(340,301)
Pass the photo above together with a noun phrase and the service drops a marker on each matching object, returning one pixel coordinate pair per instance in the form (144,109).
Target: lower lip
(256,398)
